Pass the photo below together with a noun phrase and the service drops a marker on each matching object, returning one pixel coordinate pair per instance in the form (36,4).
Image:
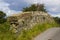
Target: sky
(15,6)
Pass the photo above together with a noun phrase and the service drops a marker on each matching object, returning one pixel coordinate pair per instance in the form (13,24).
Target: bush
(2,17)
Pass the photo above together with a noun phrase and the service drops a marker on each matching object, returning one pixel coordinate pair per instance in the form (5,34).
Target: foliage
(2,17)
(37,29)
(6,36)
(35,7)
(4,27)
(5,33)
(57,20)
(2,14)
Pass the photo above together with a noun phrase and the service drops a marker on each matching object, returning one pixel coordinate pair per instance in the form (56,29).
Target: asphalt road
(50,34)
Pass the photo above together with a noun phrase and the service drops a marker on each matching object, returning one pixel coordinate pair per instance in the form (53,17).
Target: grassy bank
(37,29)
(6,34)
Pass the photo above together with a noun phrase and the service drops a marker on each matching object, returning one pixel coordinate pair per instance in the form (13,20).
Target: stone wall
(26,20)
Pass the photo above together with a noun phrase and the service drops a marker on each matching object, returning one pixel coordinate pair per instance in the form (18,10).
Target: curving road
(50,34)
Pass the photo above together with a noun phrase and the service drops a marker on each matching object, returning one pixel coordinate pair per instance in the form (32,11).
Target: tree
(2,17)
(57,19)
(35,7)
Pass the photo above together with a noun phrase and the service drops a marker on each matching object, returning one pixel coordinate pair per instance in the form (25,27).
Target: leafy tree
(2,17)
(57,19)
(35,7)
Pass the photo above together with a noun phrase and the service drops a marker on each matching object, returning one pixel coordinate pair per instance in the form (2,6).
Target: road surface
(50,34)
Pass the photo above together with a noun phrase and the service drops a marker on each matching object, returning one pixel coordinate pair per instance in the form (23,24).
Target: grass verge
(37,29)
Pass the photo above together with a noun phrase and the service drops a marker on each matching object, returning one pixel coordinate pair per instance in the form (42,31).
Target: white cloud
(48,2)
(51,2)
(31,1)
(51,5)
(56,15)
(53,9)
(5,8)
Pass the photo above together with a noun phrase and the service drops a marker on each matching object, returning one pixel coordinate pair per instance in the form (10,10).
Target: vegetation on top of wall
(35,7)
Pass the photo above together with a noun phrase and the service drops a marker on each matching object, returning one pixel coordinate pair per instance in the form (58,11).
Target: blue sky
(14,6)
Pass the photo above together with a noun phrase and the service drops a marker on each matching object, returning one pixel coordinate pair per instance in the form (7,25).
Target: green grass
(37,29)
(6,34)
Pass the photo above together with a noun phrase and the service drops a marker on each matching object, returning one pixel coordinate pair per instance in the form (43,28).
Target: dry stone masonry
(26,20)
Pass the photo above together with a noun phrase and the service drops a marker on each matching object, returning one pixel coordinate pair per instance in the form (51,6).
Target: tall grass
(37,29)
(5,33)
